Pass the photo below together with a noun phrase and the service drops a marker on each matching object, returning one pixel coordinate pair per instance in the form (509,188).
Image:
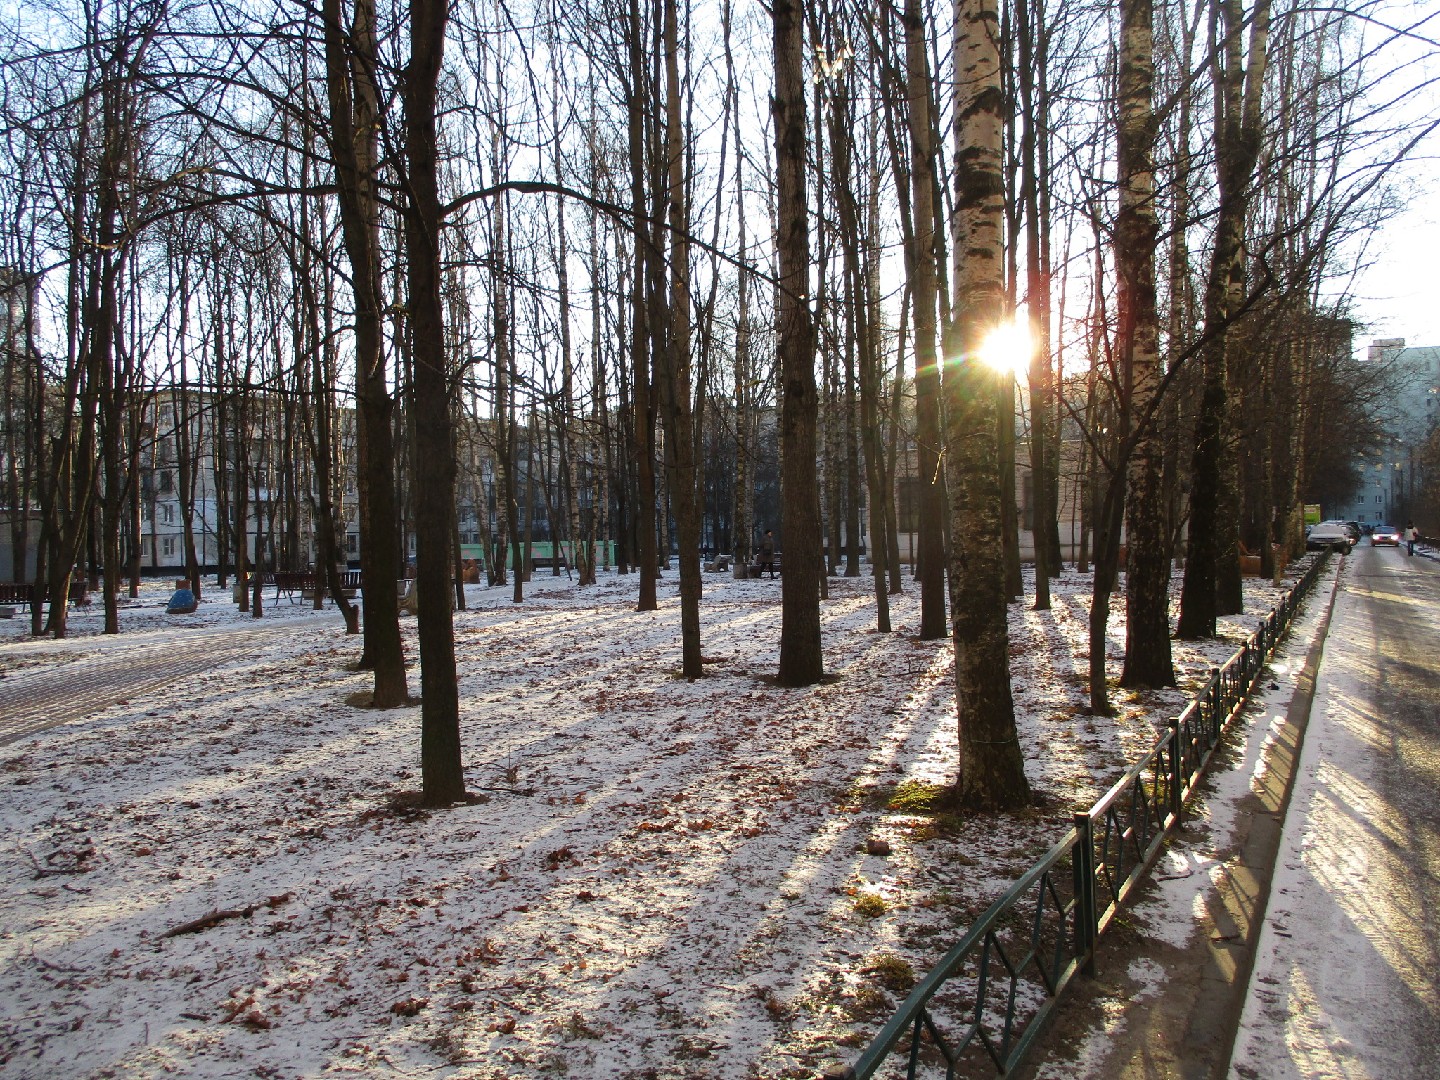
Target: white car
(1329,534)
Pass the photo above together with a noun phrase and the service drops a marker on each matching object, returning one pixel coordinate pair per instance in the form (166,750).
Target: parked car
(1329,534)
(1356,530)
(1385,534)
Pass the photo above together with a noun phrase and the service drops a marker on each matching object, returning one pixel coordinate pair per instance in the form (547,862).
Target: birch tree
(1147,575)
(992,767)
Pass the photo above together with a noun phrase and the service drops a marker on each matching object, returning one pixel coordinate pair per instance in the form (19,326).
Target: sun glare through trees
(749,351)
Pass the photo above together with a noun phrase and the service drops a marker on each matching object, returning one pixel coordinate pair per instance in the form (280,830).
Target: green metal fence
(989,997)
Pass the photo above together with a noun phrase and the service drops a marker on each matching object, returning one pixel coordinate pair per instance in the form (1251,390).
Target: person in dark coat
(767,553)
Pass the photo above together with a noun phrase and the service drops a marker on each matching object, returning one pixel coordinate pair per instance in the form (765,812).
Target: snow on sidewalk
(1344,984)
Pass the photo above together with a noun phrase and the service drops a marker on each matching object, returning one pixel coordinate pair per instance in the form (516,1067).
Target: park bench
(22,593)
(302,582)
(549,562)
(755,570)
(290,582)
(16,593)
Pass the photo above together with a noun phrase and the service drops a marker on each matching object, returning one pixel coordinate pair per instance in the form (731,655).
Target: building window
(167,514)
(167,546)
(352,543)
(167,480)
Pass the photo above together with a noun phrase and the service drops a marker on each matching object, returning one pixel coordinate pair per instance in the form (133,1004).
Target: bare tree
(801,657)
(992,767)
(442,774)
(355,119)
(1147,573)
(1237,75)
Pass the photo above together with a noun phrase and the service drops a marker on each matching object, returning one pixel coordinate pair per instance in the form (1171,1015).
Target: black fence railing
(989,997)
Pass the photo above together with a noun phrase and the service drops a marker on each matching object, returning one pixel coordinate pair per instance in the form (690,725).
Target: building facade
(1389,478)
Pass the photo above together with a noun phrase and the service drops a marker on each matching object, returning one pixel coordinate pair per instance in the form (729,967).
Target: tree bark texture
(992,767)
(1034,194)
(1237,87)
(643,414)
(354,119)
(442,775)
(801,658)
(931,494)
(675,388)
(1147,569)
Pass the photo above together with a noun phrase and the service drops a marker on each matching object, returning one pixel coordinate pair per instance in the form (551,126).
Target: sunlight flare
(1008,348)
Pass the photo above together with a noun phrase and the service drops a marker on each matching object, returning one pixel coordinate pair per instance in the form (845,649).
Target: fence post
(1177,770)
(1217,702)
(1082,863)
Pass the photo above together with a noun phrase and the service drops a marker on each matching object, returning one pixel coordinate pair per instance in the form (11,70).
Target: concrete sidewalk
(1345,968)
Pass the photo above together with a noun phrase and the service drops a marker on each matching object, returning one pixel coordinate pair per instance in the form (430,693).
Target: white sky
(1397,295)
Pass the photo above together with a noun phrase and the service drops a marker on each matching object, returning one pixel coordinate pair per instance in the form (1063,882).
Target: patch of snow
(663,881)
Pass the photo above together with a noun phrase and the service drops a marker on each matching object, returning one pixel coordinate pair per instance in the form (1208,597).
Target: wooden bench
(291,582)
(756,571)
(303,582)
(549,562)
(22,593)
(16,593)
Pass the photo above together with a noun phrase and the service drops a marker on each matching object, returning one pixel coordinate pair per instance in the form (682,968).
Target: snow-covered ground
(664,878)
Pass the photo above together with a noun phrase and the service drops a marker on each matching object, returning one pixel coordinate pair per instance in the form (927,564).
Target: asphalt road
(1345,981)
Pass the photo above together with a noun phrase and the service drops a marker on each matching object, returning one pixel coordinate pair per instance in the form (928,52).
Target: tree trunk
(862,302)
(642,412)
(442,775)
(1147,569)
(1034,194)
(923,291)
(992,768)
(1009,513)
(801,657)
(675,358)
(354,127)
(1213,531)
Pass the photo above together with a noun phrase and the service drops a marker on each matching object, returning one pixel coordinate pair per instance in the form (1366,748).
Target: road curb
(1245,886)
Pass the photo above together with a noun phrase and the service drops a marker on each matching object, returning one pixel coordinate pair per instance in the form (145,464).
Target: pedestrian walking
(1411,535)
(767,553)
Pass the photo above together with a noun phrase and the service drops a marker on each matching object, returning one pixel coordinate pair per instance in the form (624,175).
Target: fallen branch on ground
(216,917)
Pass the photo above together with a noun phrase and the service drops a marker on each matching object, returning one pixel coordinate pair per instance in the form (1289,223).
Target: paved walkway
(123,668)
(1345,983)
